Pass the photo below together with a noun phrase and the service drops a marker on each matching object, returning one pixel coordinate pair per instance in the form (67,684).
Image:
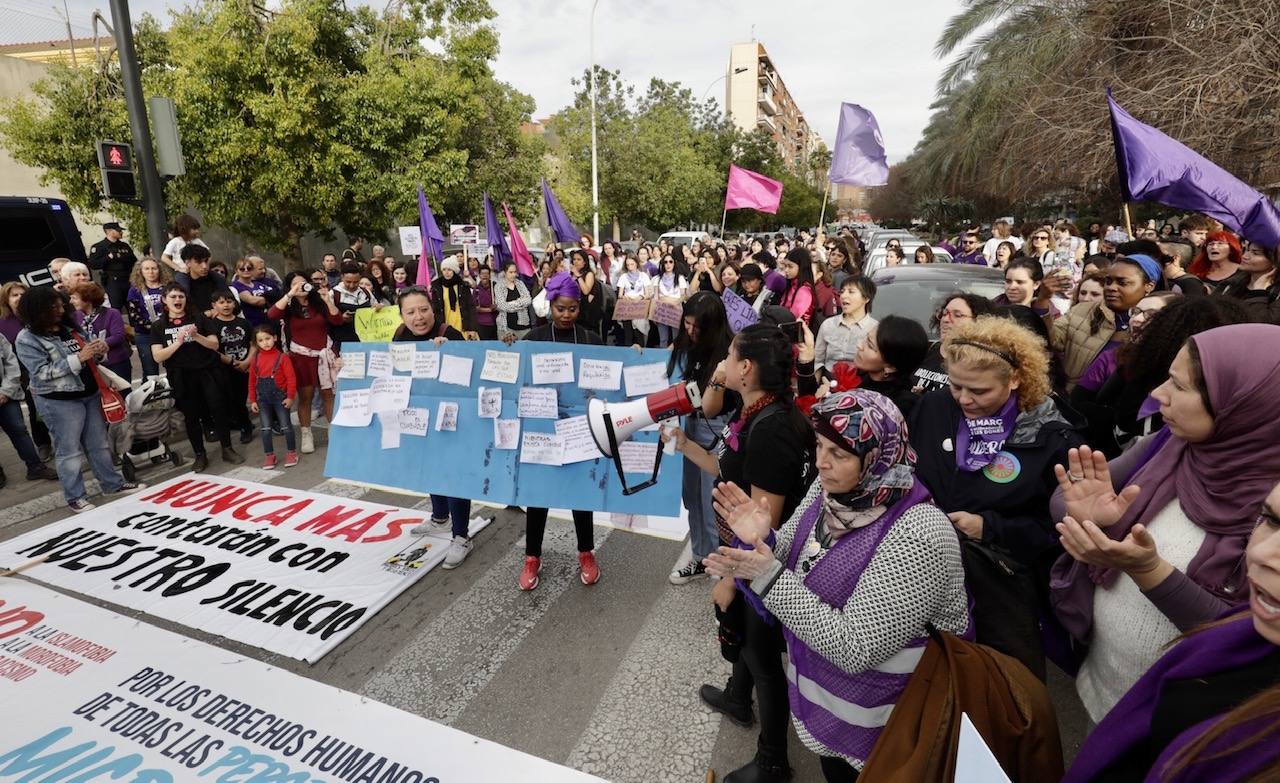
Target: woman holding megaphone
(564,301)
(767,449)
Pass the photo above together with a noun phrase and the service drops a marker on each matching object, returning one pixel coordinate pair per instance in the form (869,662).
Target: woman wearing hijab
(564,302)
(451,298)
(1209,709)
(1155,540)
(854,578)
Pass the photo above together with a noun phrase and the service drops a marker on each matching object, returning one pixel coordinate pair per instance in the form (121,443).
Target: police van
(33,231)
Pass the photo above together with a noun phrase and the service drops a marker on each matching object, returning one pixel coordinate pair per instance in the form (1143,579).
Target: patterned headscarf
(869,425)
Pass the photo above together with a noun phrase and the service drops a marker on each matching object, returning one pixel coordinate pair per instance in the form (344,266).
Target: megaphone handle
(617,460)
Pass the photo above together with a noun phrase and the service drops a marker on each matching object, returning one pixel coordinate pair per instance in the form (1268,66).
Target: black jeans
(536,526)
(237,391)
(760,666)
(201,395)
(837,770)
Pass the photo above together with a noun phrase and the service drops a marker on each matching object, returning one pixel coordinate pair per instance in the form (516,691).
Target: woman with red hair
(1218,260)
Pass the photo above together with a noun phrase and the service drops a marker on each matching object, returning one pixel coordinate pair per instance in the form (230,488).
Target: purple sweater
(108,325)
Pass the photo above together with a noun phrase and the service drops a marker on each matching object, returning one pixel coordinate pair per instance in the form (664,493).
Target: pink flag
(749,190)
(524,261)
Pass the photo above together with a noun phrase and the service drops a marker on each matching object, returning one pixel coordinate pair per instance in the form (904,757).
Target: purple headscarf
(562,284)
(1219,482)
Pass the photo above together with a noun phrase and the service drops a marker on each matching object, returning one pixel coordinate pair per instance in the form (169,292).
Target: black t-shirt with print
(192,355)
(773,457)
(233,337)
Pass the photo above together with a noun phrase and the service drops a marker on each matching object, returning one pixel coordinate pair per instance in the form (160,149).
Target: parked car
(881,238)
(36,230)
(876,258)
(916,290)
(684,238)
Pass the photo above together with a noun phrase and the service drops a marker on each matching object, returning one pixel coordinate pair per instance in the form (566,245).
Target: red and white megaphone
(615,423)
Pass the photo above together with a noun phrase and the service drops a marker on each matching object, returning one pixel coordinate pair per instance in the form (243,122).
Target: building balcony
(767,76)
(764,100)
(766,122)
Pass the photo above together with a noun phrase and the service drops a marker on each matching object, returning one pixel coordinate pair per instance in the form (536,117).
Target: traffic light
(116,161)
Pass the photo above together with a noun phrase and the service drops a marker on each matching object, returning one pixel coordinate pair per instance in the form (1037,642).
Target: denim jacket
(52,365)
(10,373)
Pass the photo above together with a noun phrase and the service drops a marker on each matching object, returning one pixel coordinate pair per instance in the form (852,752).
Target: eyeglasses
(1040,238)
(953,315)
(1134,312)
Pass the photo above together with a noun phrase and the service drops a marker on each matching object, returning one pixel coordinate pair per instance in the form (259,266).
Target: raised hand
(749,519)
(1086,487)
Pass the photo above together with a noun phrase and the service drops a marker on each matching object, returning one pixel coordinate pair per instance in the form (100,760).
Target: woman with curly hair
(987,448)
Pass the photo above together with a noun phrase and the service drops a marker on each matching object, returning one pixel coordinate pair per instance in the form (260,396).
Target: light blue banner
(466,464)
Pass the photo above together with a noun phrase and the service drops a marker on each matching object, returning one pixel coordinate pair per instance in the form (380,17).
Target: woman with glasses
(954,311)
(1040,248)
(1155,539)
(252,292)
(1090,329)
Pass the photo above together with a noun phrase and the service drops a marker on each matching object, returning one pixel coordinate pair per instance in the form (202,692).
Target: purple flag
(556,218)
(432,240)
(1155,167)
(493,233)
(858,158)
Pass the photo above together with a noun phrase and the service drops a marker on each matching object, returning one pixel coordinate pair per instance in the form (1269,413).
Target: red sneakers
(268,461)
(590,571)
(291,459)
(529,576)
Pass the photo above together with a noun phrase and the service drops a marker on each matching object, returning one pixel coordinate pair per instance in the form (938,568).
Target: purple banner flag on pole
(493,233)
(1155,167)
(432,240)
(858,157)
(560,224)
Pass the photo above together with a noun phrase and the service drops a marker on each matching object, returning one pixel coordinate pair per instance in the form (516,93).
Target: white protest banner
(91,695)
(410,240)
(289,571)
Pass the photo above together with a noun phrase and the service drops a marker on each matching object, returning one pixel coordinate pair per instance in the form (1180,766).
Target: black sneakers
(718,699)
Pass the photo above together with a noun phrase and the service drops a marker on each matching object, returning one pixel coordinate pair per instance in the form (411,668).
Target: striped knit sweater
(915,577)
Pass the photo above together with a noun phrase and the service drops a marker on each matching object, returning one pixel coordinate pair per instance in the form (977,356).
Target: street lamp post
(595,171)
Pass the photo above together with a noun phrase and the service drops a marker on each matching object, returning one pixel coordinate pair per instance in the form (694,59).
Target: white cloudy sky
(878,53)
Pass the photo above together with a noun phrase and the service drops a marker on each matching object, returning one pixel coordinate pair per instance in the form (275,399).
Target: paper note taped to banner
(380,365)
(447,417)
(541,448)
(377,325)
(645,378)
(537,403)
(489,403)
(426,364)
(455,370)
(576,441)
(352,365)
(353,409)
(552,368)
(402,356)
(600,374)
(390,424)
(506,434)
(500,367)
(389,394)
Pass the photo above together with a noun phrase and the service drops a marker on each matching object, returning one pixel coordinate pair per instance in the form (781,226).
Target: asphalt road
(601,678)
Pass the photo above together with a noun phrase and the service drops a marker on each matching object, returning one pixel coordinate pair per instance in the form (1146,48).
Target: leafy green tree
(307,118)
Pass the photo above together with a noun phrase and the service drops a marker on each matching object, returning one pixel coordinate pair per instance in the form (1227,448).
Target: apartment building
(756,97)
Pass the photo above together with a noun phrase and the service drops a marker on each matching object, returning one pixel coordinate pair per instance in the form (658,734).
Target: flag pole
(1128,221)
(723,218)
(822,219)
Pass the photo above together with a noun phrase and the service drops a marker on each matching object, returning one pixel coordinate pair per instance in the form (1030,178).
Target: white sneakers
(459,548)
(432,525)
(308,442)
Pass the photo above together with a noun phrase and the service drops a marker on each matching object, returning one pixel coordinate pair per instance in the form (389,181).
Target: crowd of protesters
(1079,473)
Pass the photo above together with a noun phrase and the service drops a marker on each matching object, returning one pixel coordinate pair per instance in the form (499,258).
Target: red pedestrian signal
(115,159)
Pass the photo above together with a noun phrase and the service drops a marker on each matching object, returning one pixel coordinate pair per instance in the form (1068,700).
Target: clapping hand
(1086,542)
(749,519)
(1086,487)
(733,563)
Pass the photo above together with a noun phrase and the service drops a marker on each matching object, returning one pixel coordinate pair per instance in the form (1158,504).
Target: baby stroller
(141,437)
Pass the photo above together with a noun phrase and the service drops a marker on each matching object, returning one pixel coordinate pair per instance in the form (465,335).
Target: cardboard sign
(464,234)
(377,326)
(667,311)
(631,309)
(741,313)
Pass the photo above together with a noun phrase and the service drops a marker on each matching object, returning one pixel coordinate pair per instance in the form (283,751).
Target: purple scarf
(1218,649)
(978,441)
(1219,483)
(562,284)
